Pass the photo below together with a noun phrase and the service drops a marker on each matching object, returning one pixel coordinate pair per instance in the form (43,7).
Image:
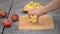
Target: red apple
(14,17)
(0,13)
(6,23)
(3,13)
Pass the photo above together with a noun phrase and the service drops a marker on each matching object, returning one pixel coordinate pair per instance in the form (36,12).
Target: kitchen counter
(18,8)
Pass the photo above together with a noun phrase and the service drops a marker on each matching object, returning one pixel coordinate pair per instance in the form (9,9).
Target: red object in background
(0,13)
(3,13)
(14,17)
(6,23)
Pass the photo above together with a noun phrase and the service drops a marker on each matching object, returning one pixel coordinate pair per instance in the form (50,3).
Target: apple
(3,13)
(14,17)
(0,13)
(6,23)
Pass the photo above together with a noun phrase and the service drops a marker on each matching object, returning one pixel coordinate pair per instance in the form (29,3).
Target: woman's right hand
(35,11)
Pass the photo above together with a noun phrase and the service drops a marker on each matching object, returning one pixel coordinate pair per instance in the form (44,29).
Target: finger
(29,14)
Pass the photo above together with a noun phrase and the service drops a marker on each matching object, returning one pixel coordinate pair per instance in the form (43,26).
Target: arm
(52,6)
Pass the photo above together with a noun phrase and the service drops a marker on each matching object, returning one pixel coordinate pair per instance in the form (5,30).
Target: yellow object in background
(31,5)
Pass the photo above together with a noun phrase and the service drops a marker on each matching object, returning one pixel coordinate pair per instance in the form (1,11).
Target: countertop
(17,7)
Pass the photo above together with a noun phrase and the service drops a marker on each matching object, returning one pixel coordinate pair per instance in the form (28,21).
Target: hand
(35,11)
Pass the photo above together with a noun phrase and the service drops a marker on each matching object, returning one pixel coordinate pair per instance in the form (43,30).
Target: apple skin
(14,17)
(0,13)
(3,13)
(6,23)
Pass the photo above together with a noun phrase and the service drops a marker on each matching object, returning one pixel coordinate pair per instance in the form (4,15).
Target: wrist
(42,12)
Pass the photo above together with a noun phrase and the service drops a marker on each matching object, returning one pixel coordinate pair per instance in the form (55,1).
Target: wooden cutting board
(45,23)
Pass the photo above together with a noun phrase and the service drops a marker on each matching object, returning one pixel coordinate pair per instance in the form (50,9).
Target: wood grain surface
(45,22)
